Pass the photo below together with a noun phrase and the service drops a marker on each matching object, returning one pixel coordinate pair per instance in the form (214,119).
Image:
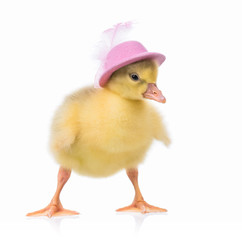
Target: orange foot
(52,210)
(142,207)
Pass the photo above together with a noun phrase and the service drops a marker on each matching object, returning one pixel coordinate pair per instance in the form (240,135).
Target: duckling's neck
(115,96)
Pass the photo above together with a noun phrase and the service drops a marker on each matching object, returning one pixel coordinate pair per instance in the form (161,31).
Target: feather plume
(109,39)
(112,37)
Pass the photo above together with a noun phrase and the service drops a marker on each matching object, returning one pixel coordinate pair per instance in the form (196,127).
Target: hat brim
(158,57)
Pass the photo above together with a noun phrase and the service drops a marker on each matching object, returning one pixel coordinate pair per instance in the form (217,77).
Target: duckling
(97,132)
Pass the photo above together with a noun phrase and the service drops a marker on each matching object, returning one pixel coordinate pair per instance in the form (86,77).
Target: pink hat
(121,55)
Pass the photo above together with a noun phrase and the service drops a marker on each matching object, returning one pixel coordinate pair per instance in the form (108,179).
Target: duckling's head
(136,81)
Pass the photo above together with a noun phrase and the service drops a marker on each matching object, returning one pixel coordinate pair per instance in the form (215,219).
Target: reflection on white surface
(54,222)
(139,218)
(125,220)
(107,225)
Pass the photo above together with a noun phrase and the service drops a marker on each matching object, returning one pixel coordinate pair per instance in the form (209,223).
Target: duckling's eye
(134,76)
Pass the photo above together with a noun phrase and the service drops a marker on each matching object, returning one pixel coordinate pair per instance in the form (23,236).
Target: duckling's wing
(65,128)
(66,123)
(159,128)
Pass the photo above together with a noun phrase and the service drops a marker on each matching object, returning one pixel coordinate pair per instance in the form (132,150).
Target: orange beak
(154,93)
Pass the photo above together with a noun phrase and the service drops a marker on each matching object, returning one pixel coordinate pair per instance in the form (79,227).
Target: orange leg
(138,205)
(55,207)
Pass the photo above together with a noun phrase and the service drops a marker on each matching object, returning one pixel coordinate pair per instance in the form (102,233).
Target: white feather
(109,39)
(112,37)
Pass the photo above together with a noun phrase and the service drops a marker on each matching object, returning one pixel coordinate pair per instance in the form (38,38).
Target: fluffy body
(97,132)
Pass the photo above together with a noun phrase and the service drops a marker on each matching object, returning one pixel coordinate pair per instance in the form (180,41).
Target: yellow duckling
(98,132)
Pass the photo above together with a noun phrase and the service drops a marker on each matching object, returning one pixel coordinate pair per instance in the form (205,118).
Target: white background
(46,50)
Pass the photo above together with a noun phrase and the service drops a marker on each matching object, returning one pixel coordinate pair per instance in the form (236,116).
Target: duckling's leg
(55,207)
(138,205)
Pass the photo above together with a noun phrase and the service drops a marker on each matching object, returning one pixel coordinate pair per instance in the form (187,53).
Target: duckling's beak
(154,93)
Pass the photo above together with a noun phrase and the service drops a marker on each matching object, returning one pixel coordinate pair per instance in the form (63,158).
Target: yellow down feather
(97,132)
